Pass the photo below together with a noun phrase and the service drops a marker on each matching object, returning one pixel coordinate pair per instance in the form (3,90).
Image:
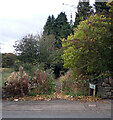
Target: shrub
(17,84)
(31,68)
(43,82)
(17,64)
(72,86)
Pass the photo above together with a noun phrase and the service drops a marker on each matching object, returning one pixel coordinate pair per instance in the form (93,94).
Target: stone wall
(105,88)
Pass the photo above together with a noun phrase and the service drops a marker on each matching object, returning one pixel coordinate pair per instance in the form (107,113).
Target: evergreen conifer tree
(102,8)
(49,26)
(83,11)
(59,27)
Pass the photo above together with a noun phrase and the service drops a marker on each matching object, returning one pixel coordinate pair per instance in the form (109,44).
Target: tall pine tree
(102,8)
(49,26)
(83,11)
(59,27)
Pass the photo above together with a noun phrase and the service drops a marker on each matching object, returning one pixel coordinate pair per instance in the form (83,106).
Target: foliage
(58,27)
(46,48)
(29,68)
(73,87)
(5,74)
(44,83)
(49,27)
(56,59)
(52,54)
(27,49)
(17,84)
(110,4)
(62,27)
(8,60)
(57,62)
(17,64)
(88,51)
(83,11)
(102,8)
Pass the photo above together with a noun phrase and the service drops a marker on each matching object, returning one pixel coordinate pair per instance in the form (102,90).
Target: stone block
(104,96)
(106,80)
(105,85)
(108,93)
(107,88)
(111,81)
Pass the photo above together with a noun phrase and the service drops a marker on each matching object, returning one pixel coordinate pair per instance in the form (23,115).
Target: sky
(19,18)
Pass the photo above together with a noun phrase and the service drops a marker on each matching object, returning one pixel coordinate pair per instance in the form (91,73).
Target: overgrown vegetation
(17,84)
(85,49)
(88,51)
(72,86)
(20,84)
(43,83)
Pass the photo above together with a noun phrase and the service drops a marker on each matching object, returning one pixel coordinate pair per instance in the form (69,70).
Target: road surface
(56,109)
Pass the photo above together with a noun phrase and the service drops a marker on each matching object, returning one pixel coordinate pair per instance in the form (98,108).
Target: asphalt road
(56,109)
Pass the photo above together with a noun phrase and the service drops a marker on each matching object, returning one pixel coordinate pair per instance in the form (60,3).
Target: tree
(110,4)
(46,47)
(102,8)
(49,55)
(27,48)
(88,51)
(8,60)
(62,28)
(58,27)
(49,27)
(83,11)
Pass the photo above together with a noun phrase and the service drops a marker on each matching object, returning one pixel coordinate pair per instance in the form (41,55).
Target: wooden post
(94,91)
(92,86)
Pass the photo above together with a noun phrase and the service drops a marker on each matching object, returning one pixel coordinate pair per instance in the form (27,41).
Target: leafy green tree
(8,60)
(49,55)
(57,62)
(83,11)
(110,4)
(27,49)
(46,47)
(88,51)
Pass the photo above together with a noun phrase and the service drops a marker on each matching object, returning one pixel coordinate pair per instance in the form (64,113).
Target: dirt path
(58,86)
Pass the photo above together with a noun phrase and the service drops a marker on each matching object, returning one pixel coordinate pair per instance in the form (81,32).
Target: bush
(29,68)
(72,86)
(17,84)
(43,82)
(17,64)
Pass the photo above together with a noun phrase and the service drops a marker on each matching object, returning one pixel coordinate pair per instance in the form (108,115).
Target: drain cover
(92,105)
